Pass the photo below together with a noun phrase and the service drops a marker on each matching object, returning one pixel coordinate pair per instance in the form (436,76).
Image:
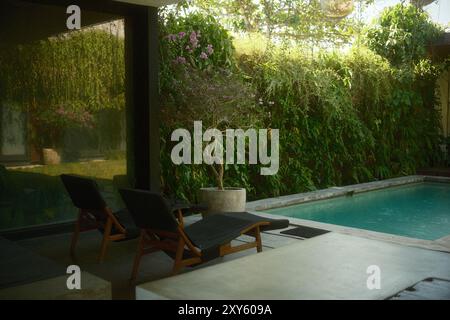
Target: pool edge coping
(441,244)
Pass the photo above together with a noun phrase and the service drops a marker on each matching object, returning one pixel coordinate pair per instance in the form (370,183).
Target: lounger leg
(75,236)
(74,241)
(137,258)
(180,218)
(258,240)
(224,248)
(177,265)
(105,240)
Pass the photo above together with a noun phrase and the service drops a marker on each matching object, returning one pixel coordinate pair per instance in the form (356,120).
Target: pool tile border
(292,199)
(442,244)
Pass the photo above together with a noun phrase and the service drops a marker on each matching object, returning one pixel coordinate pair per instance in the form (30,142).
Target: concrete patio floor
(118,263)
(330,266)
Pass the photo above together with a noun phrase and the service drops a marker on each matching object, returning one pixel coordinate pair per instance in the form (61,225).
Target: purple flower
(172,37)
(203,56)
(193,39)
(181,34)
(180,60)
(209,49)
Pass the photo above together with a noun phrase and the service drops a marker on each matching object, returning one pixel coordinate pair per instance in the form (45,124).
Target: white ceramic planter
(228,200)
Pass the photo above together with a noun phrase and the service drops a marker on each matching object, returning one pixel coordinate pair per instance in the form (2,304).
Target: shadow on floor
(118,263)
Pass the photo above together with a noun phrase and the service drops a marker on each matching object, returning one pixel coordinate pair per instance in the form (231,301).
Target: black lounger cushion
(217,229)
(213,231)
(274,223)
(186,207)
(125,219)
(149,210)
(84,192)
(86,195)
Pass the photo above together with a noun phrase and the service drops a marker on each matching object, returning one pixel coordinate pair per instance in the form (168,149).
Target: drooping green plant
(63,81)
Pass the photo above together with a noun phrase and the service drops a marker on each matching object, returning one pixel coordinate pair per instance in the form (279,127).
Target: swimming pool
(418,210)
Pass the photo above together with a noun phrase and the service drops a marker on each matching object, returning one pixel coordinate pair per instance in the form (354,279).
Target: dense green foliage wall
(343,117)
(64,81)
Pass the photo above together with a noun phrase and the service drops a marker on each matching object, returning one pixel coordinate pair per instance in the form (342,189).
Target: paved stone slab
(331,266)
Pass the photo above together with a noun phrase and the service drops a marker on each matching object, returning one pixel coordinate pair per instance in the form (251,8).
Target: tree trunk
(218,174)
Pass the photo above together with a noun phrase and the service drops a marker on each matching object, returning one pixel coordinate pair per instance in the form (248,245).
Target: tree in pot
(221,100)
(200,82)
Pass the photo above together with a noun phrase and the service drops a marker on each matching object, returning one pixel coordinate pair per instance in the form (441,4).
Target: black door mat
(428,289)
(304,232)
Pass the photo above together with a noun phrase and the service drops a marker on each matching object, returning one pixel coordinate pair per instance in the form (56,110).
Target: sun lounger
(190,245)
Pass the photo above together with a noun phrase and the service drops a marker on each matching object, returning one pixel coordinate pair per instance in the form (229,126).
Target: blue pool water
(417,210)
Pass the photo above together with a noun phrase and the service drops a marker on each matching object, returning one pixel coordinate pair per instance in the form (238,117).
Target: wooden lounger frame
(176,242)
(87,222)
